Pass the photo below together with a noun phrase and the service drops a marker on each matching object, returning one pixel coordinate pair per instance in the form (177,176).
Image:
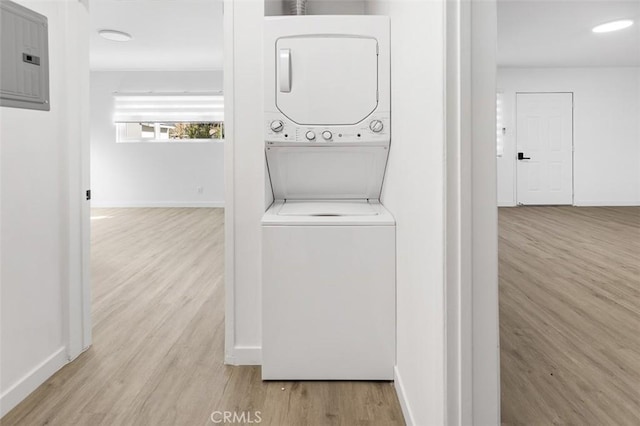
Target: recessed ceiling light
(613,26)
(114,35)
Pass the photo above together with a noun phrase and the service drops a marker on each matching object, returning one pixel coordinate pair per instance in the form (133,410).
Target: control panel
(24,58)
(376,128)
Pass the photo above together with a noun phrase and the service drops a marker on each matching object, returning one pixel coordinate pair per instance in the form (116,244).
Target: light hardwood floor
(570,315)
(157,356)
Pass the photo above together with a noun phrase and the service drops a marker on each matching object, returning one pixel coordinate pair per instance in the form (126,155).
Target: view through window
(171,132)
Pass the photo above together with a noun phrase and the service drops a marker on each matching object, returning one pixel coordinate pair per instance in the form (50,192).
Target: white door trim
(229,184)
(472,346)
(515,142)
(77,300)
(458,320)
(85,177)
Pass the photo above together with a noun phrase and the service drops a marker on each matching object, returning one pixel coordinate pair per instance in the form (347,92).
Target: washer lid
(327,171)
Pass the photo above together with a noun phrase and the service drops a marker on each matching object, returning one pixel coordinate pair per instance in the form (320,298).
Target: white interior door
(544,142)
(327,80)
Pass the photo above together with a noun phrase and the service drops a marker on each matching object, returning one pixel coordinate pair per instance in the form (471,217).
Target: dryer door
(326,80)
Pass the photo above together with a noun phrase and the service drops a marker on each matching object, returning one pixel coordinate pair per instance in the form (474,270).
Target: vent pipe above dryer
(298,7)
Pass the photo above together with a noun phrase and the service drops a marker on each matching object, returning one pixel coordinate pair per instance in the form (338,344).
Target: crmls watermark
(230,417)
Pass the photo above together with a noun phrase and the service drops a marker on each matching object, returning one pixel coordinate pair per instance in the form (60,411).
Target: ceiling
(167,34)
(553,33)
(188,35)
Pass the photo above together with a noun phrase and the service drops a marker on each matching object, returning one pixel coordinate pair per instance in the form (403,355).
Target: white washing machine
(328,244)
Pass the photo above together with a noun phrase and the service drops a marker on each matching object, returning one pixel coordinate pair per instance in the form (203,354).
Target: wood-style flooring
(570,315)
(158,339)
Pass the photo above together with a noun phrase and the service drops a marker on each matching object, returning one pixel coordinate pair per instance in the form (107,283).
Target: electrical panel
(24,58)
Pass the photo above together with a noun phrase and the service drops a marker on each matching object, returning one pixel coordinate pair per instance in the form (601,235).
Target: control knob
(277,126)
(327,135)
(310,135)
(376,126)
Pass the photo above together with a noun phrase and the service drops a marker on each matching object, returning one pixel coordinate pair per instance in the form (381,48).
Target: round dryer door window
(327,80)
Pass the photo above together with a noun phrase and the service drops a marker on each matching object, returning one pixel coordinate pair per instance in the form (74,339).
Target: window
(170,132)
(169,118)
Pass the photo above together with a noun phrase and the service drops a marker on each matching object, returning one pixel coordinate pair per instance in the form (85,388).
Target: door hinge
(88,194)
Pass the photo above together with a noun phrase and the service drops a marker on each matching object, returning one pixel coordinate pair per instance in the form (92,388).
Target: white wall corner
(402,398)
(30,381)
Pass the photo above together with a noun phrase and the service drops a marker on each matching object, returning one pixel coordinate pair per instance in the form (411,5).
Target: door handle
(522,157)
(285,70)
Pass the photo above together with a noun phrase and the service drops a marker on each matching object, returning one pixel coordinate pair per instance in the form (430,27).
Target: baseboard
(606,203)
(244,355)
(591,204)
(30,382)
(404,404)
(155,204)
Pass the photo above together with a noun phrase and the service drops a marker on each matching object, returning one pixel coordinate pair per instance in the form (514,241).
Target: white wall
(414,193)
(152,174)
(333,7)
(40,215)
(606,130)
(317,7)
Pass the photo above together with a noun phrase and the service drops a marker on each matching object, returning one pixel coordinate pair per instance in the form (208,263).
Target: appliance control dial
(310,135)
(376,126)
(327,135)
(277,126)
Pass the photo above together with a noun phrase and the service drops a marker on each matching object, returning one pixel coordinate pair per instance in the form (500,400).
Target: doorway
(564,265)
(544,145)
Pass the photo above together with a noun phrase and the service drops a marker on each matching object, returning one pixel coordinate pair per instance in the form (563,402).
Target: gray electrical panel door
(24,58)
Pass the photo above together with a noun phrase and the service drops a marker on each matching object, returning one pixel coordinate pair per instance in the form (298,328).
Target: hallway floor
(570,315)
(158,341)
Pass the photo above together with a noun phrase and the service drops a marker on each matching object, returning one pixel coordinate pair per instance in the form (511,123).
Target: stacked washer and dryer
(328,244)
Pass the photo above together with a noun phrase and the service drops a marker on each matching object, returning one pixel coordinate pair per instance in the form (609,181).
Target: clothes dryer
(328,244)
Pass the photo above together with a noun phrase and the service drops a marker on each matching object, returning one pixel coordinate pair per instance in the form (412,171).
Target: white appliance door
(328,302)
(544,148)
(326,172)
(326,80)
